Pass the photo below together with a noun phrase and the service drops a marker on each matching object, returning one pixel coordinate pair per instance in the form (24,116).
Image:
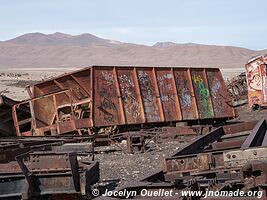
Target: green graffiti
(204,93)
(205,97)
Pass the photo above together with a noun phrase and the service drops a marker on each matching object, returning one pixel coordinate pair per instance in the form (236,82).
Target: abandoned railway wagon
(256,80)
(124,97)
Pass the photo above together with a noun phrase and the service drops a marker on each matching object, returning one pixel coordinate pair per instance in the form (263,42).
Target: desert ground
(14,81)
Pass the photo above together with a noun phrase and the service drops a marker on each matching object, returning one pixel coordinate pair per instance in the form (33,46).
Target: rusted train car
(107,96)
(257,81)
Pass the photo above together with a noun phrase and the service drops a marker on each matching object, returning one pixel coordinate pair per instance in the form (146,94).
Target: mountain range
(38,50)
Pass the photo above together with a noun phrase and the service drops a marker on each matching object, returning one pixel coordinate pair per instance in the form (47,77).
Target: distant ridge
(38,50)
(58,38)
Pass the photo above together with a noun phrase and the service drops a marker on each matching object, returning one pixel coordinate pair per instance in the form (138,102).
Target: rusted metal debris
(256,80)
(34,168)
(229,158)
(7,127)
(107,99)
(238,89)
(139,140)
(133,103)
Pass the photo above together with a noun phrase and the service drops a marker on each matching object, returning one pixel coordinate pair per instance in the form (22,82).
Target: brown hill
(35,50)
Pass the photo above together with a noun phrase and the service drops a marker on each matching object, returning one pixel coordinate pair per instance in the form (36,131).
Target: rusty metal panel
(69,82)
(168,94)
(131,103)
(106,104)
(202,94)
(257,81)
(185,93)
(148,92)
(83,79)
(221,101)
(43,108)
(238,158)
(45,88)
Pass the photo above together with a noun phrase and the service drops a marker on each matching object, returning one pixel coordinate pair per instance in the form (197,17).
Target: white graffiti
(142,74)
(186,100)
(215,88)
(108,77)
(132,105)
(161,79)
(133,108)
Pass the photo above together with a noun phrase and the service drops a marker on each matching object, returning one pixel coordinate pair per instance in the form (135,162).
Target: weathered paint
(202,93)
(129,96)
(134,95)
(186,93)
(256,80)
(220,100)
(168,96)
(106,106)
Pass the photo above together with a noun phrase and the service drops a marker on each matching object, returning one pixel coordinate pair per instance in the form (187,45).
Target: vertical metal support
(30,187)
(139,95)
(15,119)
(129,143)
(209,89)
(33,121)
(158,95)
(92,95)
(74,166)
(57,117)
(28,89)
(72,110)
(176,98)
(122,113)
(193,93)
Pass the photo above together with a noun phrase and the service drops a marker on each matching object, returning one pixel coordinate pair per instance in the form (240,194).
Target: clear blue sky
(223,22)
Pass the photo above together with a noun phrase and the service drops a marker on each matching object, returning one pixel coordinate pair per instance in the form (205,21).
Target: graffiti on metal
(107,103)
(185,94)
(149,96)
(167,95)
(129,97)
(220,101)
(202,95)
(103,96)
(256,81)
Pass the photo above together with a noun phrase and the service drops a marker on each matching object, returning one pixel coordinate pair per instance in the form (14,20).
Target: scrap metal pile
(33,168)
(228,159)
(7,127)
(238,89)
(67,116)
